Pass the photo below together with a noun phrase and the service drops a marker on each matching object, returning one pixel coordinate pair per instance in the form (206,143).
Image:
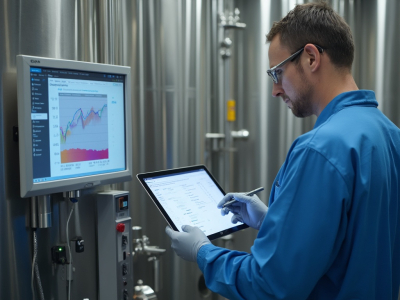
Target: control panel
(115,275)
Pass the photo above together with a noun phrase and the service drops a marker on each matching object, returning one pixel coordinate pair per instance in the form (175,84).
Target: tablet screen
(189,196)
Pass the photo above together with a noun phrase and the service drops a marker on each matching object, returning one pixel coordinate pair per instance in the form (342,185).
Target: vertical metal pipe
(155,82)
(228,126)
(142,89)
(209,72)
(163,96)
(34,220)
(111,31)
(107,31)
(156,267)
(41,212)
(44,211)
(380,52)
(180,74)
(199,148)
(186,79)
(103,25)
(221,92)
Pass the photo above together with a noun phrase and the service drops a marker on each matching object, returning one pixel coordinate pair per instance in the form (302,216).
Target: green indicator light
(59,249)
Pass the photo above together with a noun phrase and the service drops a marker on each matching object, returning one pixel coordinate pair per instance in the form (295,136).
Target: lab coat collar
(354,98)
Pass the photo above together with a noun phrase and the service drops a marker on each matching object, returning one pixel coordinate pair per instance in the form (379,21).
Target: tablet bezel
(142,176)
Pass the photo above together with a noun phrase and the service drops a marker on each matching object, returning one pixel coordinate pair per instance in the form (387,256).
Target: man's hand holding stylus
(247,209)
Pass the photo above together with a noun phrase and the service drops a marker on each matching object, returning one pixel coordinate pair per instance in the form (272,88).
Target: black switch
(58,255)
(124,269)
(79,245)
(124,240)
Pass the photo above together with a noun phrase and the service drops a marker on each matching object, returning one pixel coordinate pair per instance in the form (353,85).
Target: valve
(141,247)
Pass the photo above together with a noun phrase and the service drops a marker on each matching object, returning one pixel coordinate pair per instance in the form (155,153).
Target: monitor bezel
(27,187)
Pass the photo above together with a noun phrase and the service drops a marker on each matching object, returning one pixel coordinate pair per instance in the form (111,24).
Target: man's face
(293,86)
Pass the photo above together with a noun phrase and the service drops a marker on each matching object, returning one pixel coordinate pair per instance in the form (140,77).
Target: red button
(120,227)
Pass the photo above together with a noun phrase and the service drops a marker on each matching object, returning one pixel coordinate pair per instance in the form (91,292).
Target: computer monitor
(74,124)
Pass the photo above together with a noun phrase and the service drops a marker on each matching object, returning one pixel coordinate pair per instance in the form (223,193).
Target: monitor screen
(74,124)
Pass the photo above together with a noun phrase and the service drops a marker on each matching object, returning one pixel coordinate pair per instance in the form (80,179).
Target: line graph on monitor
(83,127)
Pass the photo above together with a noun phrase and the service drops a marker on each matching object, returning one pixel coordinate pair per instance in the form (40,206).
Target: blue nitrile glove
(247,209)
(186,244)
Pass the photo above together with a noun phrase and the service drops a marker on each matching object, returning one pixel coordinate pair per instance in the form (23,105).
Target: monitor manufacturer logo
(34,61)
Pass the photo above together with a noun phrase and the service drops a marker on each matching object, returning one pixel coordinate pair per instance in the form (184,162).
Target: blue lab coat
(332,230)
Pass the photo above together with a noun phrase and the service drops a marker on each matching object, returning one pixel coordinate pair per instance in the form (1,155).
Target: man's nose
(277,90)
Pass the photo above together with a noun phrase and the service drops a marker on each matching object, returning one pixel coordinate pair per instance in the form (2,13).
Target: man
(332,229)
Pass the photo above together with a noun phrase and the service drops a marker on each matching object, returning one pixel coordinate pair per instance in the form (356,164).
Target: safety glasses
(275,72)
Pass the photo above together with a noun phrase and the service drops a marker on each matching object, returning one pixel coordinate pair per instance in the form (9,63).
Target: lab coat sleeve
(298,240)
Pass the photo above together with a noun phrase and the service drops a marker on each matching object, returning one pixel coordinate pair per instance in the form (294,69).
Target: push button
(120,227)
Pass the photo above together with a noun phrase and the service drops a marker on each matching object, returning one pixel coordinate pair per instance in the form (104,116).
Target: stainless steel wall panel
(173,90)
(15,242)
(51,29)
(389,75)
(173,49)
(86,31)
(8,30)
(15,256)
(50,33)
(365,38)
(260,112)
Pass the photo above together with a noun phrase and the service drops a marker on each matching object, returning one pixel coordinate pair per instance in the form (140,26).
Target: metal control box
(115,274)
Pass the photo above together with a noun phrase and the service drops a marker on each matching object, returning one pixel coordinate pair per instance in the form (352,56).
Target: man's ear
(313,57)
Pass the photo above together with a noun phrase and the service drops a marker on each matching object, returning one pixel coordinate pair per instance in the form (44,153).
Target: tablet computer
(189,196)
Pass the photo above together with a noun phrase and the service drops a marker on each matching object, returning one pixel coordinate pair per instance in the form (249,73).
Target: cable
(77,220)
(38,281)
(33,264)
(35,269)
(70,255)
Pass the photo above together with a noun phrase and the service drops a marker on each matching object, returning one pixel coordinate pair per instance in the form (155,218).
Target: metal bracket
(232,22)
(215,135)
(217,139)
(241,134)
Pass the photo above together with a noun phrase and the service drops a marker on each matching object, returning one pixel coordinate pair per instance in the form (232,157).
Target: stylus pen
(247,194)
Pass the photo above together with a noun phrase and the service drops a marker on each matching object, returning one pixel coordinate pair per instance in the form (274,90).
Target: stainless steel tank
(180,82)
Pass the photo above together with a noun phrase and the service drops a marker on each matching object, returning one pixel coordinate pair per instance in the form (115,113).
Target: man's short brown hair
(316,23)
